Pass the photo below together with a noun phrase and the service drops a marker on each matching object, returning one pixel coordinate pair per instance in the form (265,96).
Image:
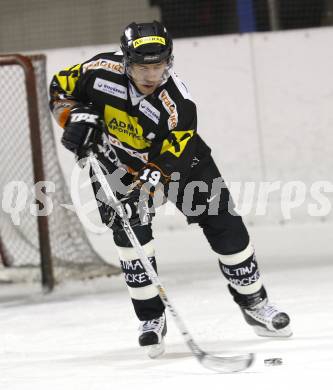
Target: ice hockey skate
(152,334)
(265,318)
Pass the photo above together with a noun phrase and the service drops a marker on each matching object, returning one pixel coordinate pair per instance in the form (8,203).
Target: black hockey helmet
(146,43)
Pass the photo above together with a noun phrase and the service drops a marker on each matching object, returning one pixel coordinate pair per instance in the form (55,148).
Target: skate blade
(263,332)
(156,350)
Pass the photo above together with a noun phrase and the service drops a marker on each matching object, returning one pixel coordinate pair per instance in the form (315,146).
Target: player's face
(147,77)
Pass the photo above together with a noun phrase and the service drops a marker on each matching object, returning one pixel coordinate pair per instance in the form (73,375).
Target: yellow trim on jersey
(177,142)
(152,39)
(125,127)
(67,82)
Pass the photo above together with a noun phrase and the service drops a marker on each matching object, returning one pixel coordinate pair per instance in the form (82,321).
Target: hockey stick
(226,364)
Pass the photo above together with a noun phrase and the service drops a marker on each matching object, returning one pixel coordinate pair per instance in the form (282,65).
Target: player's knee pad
(144,295)
(242,271)
(137,280)
(226,233)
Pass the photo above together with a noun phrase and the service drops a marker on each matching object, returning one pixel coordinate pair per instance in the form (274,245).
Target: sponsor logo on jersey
(109,65)
(133,153)
(68,77)
(149,110)
(176,142)
(170,107)
(110,88)
(125,127)
(195,162)
(84,117)
(151,39)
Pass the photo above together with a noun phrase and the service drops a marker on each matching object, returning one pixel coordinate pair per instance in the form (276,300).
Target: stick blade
(226,365)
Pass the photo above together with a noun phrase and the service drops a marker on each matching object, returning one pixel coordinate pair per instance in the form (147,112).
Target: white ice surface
(84,335)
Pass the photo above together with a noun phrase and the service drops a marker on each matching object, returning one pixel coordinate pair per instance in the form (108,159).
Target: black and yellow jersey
(159,128)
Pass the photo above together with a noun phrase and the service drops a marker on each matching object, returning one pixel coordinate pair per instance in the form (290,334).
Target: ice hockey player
(151,130)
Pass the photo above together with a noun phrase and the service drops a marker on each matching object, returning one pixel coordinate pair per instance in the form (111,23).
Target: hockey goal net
(50,247)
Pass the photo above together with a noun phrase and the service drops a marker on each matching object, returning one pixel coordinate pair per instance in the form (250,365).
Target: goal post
(25,63)
(54,243)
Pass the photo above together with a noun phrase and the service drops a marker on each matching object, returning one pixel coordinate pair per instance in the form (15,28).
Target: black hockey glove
(152,178)
(138,202)
(80,123)
(138,205)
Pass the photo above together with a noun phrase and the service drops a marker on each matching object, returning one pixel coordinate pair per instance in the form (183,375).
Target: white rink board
(295,98)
